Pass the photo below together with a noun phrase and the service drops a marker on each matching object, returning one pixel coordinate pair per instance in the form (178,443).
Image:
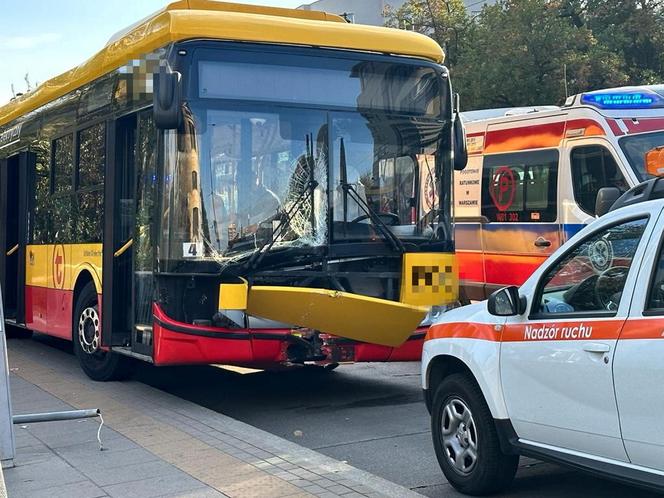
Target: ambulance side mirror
(654,161)
(606,197)
(506,302)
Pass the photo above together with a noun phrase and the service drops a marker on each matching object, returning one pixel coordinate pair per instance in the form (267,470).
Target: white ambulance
(568,368)
(533,177)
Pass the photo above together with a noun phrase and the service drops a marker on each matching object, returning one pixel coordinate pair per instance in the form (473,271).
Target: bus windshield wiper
(349,190)
(287,216)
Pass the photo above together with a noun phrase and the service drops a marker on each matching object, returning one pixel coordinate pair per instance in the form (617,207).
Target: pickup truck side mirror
(606,197)
(506,302)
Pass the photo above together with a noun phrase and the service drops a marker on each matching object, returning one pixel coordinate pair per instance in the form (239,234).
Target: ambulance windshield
(635,148)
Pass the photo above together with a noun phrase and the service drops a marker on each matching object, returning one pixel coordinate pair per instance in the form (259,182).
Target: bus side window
(90,176)
(62,190)
(593,167)
(39,202)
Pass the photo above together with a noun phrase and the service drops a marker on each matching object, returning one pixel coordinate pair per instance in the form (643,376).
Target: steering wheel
(609,283)
(389,219)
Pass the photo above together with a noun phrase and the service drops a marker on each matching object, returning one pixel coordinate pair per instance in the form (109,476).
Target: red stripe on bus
(49,311)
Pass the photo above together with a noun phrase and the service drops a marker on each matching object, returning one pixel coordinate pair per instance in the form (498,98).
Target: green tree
(527,52)
(446,21)
(631,29)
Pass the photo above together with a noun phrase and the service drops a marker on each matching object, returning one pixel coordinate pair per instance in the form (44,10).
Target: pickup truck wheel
(466,441)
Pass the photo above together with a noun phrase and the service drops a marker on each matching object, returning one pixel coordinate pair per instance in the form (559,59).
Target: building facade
(359,11)
(371,11)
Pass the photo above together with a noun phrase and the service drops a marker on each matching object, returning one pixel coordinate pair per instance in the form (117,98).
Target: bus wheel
(98,364)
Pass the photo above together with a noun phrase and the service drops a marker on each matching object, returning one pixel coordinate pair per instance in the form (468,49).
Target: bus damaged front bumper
(178,343)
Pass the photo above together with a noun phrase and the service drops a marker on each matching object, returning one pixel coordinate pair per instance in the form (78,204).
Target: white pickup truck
(567,368)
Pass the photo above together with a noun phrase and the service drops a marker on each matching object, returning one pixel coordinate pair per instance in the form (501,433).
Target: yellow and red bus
(257,186)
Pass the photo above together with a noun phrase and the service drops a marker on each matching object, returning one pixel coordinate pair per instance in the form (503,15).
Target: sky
(44,38)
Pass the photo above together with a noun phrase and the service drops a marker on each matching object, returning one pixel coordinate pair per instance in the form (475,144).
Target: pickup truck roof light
(649,190)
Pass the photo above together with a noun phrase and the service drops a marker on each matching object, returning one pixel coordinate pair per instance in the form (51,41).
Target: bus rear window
(520,187)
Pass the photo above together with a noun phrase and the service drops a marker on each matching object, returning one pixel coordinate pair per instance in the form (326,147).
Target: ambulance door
(519,203)
(639,363)
(556,362)
(468,223)
(589,164)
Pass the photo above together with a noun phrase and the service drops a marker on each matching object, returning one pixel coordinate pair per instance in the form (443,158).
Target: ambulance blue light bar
(624,98)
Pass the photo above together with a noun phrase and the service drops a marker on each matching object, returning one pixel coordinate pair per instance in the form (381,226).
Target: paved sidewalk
(155,444)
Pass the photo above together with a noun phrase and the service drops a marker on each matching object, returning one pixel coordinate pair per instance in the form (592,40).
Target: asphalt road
(370,415)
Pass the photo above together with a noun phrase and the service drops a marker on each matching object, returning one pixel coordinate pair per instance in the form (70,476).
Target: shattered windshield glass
(238,174)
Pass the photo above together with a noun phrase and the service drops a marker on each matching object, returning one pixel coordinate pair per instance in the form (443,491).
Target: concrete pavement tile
(32,454)
(104,476)
(259,487)
(87,458)
(338,489)
(327,494)
(173,484)
(83,489)
(41,475)
(199,493)
(313,489)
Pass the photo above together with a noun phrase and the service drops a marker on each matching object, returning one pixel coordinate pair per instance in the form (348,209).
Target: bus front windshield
(262,168)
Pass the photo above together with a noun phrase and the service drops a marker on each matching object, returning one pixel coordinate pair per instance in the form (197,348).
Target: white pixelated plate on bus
(192,249)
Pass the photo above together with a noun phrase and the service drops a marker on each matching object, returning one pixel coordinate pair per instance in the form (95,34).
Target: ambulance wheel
(98,364)
(466,441)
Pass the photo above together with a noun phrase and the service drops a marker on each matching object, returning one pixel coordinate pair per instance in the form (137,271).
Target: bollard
(7,444)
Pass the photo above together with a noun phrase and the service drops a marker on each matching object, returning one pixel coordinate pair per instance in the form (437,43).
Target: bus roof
(195,19)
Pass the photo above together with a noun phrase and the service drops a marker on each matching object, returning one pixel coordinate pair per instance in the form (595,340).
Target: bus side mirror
(506,302)
(460,146)
(167,100)
(654,161)
(606,197)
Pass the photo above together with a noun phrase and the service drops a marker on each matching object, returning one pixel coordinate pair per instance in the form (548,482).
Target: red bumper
(177,343)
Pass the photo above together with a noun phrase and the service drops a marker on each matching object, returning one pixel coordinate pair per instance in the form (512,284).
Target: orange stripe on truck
(551,331)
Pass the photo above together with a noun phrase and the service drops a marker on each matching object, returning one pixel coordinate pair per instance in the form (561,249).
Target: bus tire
(461,420)
(97,364)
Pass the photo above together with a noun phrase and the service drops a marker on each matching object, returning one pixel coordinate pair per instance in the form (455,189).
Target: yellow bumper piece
(360,318)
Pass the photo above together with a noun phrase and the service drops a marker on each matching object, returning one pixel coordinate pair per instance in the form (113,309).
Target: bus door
(128,256)
(519,202)
(13,230)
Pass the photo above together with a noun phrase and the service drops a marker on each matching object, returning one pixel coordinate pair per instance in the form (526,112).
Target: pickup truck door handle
(597,347)
(542,242)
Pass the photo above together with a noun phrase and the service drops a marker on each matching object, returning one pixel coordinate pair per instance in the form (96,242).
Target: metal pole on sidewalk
(7,444)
